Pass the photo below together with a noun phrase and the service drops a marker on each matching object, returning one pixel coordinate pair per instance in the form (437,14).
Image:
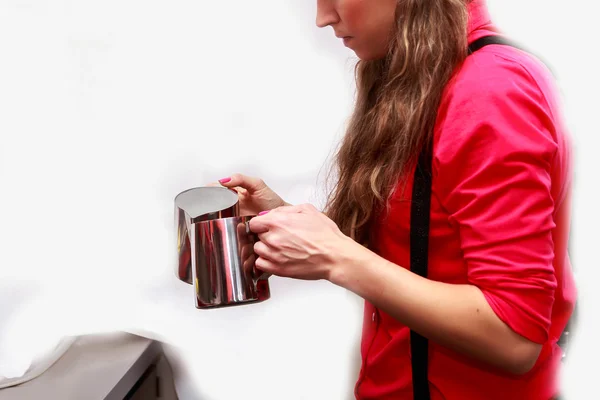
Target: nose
(326,13)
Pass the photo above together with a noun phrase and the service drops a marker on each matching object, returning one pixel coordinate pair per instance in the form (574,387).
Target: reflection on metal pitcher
(224,264)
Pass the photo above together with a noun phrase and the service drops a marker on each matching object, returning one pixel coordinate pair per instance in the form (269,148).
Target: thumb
(251,184)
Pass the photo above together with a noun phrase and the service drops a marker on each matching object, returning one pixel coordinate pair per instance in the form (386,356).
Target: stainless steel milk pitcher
(215,249)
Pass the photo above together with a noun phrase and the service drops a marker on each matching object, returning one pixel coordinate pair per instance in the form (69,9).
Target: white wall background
(109,108)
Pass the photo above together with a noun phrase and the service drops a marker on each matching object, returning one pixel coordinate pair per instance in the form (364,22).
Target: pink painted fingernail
(224,180)
(263,212)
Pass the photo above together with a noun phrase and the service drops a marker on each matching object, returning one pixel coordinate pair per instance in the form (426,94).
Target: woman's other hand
(255,196)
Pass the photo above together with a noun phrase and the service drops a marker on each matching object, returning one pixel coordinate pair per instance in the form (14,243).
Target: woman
(482,319)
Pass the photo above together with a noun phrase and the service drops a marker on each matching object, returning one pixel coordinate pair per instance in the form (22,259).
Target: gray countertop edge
(135,372)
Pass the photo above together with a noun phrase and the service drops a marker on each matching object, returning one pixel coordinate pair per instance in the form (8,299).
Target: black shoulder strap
(419,252)
(419,241)
(487,40)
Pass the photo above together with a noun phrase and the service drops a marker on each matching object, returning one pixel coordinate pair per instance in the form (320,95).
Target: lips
(345,38)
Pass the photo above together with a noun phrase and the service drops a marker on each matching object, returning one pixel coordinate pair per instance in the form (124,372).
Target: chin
(369,55)
(365,56)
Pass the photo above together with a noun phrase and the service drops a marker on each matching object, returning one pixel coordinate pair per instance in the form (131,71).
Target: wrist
(347,259)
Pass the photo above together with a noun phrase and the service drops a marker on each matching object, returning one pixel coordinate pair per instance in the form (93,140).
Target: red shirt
(499,221)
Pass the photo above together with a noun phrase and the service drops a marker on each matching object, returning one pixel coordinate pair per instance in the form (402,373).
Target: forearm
(455,316)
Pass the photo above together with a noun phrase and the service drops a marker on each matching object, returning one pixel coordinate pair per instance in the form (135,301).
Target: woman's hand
(254,195)
(299,242)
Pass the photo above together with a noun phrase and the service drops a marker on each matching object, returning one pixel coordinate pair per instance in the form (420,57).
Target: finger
(268,238)
(266,265)
(251,184)
(260,224)
(263,250)
(241,190)
(217,184)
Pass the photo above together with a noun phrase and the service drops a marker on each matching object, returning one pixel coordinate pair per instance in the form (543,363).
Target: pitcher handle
(256,273)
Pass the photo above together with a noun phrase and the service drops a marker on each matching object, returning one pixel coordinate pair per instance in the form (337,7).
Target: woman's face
(364,25)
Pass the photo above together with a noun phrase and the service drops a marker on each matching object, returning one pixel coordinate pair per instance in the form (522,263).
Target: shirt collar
(479,19)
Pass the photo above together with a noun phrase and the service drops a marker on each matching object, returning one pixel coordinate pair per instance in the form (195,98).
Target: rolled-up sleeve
(493,165)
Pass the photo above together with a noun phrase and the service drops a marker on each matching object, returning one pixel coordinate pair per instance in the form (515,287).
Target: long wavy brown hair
(395,111)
